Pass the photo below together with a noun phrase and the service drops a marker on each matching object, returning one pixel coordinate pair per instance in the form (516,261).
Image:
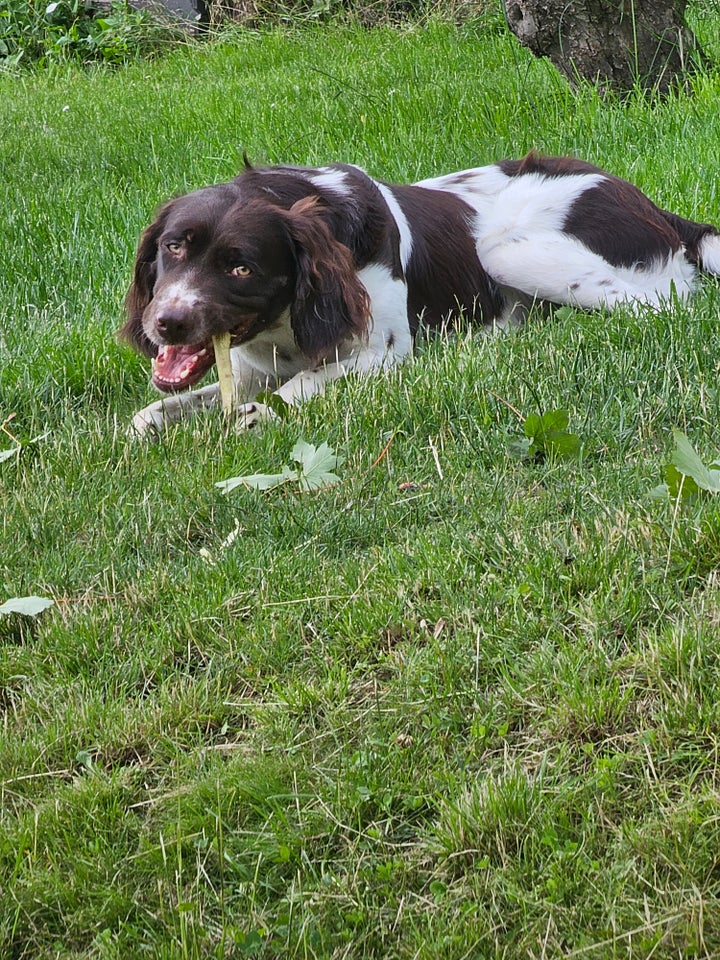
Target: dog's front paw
(148,422)
(251,415)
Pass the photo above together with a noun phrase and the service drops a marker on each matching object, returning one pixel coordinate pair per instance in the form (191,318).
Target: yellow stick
(221,343)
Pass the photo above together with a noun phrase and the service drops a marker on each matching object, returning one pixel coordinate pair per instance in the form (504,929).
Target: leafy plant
(312,468)
(15,450)
(546,435)
(79,30)
(26,606)
(281,408)
(687,476)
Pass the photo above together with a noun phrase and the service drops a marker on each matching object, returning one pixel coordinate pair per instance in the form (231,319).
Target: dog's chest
(273,351)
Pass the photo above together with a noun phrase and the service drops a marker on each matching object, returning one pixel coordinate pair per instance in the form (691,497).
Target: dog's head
(215,261)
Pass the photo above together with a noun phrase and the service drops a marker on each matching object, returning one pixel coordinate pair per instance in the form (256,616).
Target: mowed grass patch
(460,704)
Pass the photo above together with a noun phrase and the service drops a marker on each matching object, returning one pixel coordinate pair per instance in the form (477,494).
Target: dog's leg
(177,406)
(559,269)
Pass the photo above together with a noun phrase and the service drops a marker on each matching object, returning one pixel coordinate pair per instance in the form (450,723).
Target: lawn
(463,704)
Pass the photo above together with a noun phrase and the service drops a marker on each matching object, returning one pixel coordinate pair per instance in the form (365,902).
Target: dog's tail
(701,242)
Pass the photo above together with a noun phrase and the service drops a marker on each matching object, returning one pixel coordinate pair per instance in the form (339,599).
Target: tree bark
(616,44)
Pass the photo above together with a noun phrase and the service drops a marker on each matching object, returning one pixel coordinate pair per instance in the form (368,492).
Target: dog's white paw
(148,422)
(250,415)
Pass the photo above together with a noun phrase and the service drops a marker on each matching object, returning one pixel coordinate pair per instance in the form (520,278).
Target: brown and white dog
(317,273)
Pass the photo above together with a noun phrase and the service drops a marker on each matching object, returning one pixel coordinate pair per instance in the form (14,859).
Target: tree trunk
(617,45)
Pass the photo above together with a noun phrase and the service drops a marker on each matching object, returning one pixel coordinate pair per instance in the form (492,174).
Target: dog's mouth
(180,366)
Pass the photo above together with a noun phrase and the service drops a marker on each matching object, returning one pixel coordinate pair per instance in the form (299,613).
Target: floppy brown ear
(330,304)
(141,289)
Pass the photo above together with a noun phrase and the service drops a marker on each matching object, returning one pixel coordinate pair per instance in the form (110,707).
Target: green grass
(474,717)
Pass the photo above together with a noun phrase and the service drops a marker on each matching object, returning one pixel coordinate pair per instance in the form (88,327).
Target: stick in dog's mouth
(221,343)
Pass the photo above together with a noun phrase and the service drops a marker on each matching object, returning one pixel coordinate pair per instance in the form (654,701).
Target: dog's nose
(173,325)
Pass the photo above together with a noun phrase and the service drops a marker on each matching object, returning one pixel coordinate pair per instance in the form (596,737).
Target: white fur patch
(709,250)
(181,293)
(329,179)
(390,331)
(471,185)
(272,352)
(406,242)
(529,205)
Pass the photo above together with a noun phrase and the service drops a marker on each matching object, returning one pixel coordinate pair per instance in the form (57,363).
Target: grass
(476,716)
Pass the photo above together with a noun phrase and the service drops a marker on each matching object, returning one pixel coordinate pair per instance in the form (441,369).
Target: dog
(321,272)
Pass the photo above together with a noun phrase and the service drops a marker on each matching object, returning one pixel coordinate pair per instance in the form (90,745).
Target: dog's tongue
(178,367)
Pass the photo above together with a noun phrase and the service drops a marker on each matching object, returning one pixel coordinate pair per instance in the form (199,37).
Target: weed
(80,30)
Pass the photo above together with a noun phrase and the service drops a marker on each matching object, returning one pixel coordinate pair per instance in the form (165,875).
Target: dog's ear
(141,289)
(330,304)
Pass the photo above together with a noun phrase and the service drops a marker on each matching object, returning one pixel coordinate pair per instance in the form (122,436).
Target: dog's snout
(173,313)
(174,324)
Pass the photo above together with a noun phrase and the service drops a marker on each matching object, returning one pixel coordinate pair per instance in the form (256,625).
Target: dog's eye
(175,247)
(240,271)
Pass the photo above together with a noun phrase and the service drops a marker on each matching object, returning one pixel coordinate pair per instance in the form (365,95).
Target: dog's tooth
(201,353)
